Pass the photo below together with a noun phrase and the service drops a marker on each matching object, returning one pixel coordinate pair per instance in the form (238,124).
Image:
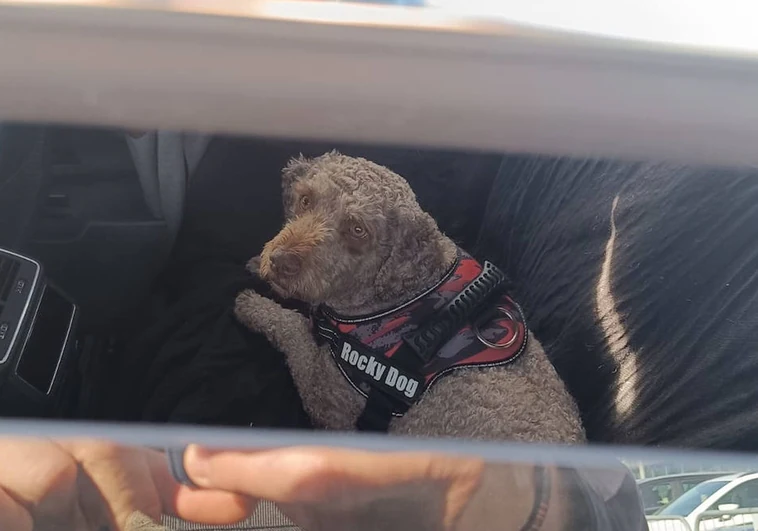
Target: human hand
(49,485)
(336,489)
(83,485)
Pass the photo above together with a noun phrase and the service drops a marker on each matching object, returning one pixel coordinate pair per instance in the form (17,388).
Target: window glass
(663,493)
(280,251)
(691,499)
(687,485)
(745,496)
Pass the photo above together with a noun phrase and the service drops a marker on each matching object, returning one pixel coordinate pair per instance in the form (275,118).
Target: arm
(590,499)
(507,496)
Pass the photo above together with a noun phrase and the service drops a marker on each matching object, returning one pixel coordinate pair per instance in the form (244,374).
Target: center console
(37,340)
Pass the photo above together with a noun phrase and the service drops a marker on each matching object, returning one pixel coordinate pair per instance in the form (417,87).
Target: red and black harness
(392,357)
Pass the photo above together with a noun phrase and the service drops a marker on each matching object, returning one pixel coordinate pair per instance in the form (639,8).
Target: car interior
(72,201)
(612,179)
(121,262)
(87,249)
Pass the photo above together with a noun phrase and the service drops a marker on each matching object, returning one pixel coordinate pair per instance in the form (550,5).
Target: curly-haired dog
(407,333)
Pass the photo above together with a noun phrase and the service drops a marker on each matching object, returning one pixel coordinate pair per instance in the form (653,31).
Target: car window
(129,257)
(689,501)
(689,484)
(745,496)
(663,493)
(656,495)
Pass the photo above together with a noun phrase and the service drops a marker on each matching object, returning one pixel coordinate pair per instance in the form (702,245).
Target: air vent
(8,270)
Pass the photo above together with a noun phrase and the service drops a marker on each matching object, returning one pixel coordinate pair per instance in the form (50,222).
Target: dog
(367,261)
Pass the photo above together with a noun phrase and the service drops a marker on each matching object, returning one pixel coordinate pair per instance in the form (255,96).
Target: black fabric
(197,364)
(191,361)
(682,282)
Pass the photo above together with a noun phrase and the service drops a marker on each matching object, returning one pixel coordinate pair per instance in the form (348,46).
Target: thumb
(354,480)
(310,474)
(280,475)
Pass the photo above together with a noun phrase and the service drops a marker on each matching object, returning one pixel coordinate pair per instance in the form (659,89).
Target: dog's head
(355,237)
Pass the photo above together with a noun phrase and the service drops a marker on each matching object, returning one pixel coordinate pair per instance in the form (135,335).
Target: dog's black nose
(286,264)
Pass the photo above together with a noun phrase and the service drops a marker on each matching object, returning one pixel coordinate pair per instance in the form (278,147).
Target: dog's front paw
(257,313)
(248,307)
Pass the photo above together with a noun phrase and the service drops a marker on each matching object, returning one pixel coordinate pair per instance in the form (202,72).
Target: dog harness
(393,357)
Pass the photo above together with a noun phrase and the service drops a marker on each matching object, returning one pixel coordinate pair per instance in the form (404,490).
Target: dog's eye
(358,231)
(305,202)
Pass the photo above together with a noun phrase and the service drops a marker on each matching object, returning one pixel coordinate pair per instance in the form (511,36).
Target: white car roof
(684,475)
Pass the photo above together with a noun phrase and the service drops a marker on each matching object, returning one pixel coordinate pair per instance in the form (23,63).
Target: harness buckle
(488,317)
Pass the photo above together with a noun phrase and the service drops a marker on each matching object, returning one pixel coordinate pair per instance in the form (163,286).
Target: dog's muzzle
(285,264)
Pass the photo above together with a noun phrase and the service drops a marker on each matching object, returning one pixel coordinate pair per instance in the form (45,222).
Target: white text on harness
(376,369)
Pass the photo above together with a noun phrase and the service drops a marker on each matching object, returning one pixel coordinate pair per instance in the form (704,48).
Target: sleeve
(604,499)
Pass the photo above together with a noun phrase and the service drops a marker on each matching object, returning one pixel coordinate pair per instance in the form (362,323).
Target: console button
(20,286)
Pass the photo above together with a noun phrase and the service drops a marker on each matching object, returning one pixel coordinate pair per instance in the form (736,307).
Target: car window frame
(714,506)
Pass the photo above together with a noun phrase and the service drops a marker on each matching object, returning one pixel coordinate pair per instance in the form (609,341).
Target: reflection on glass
(97,482)
(136,487)
(122,254)
(691,499)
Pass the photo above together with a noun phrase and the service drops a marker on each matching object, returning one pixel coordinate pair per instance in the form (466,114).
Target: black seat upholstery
(651,320)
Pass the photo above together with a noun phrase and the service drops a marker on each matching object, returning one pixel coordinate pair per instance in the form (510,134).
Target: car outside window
(689,501)
(663,494)
(745,496)
(687,485)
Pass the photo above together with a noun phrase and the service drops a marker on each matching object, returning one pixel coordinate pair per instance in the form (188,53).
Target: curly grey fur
(400,252)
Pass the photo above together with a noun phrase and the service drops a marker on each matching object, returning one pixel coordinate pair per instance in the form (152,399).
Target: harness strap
(377,414)
(380,407)
(442,326)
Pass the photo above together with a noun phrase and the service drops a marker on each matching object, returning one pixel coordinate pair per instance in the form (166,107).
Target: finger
(202,506)
(138,478)
(212,506)
(13,515)
(118,481)
(42,478)
(292,475)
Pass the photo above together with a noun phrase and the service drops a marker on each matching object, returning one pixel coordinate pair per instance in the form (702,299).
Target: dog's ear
(418,252)
(295,170)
